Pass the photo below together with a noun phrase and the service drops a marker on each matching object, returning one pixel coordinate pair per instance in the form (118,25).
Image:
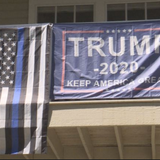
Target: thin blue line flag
(24,88)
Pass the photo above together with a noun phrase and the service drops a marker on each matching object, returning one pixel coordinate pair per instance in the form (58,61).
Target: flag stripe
(44,129)
(40,102)
(23,91)
(29,93)
(3,101)
(17,92)
(8,128)
(35,92)
(47,92)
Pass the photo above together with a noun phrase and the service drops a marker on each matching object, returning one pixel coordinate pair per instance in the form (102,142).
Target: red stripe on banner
(63,62)
(82,91)
(148,89)
(147,29)
(84,31)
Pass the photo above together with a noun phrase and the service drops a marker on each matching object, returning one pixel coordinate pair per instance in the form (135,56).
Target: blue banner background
(93,72)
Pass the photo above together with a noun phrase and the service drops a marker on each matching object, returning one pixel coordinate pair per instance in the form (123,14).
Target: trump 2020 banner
(106,60)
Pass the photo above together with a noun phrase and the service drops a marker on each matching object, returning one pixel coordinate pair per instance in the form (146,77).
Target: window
(116,12)
(46,14)
(153,10)
(84,13)
(64,14)
(133,11)
(136,11)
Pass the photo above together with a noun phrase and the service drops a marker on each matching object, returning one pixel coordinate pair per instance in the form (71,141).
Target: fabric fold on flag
(24,88)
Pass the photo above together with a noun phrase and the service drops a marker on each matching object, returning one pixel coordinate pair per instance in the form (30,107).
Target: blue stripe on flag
(17,92)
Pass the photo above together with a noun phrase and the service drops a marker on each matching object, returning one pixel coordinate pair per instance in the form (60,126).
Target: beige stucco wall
(14,11)
(105,113)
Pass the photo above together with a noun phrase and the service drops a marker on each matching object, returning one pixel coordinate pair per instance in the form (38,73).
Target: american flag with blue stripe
(24,88)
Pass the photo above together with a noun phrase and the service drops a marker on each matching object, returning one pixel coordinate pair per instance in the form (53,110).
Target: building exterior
(100,129)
